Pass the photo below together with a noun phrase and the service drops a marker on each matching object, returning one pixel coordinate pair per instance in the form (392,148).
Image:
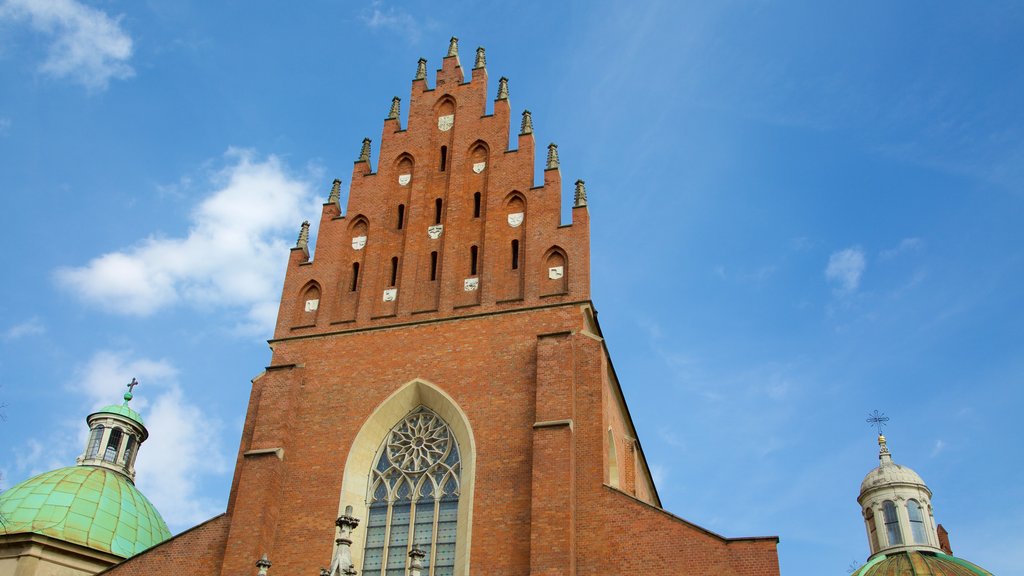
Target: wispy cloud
(845,269)
(5,125)
(939,446)
(379,16)
(31,327)
(232,257)
(905,245)
(87,45)
(177,426)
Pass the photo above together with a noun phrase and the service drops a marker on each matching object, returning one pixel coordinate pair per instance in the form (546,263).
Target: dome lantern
(896,506)
(115,434)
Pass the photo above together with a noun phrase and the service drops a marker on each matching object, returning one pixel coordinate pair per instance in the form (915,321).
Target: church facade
(440,399)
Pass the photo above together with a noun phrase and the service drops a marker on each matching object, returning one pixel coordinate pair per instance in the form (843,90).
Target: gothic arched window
(414,497)
(892,523)
(916,522)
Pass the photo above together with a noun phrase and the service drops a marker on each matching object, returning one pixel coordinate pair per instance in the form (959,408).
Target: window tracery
(414,497)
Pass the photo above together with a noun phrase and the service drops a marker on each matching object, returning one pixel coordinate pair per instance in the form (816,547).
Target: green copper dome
(919,563)
(87,505)
(123,410)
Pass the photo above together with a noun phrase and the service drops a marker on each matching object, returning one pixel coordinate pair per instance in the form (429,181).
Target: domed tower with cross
(903,538)
(82,519)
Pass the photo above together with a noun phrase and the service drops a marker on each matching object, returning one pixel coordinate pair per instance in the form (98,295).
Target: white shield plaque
(479,167)
(404,179)
(471,284)
(515,219)
(445,123)
(358,242)
(390,294)
(555,272)
(435,231)
(312,305)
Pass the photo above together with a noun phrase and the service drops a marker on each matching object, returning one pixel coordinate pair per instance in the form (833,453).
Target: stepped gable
(449,222)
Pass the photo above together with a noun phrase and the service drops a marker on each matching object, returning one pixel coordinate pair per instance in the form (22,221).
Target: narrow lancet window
(129,447)
(869,516)
(476,205)
(414,497)
(892,523)
(916,522)
(473,251)
(433,266)
(437,211)
(444,158)
(113,445)
(515,254)
(94,442)
(394,271)
(401,216)
(355,277)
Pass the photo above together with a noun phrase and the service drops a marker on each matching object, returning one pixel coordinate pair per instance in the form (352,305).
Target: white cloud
(31,327)
(5,125)
(183,447)
(905,245)
(939,446)
(378,16)
(845,269)
(233,255)
(87,46)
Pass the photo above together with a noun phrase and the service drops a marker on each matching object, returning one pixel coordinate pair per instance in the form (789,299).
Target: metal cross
(131,385)
(877,419)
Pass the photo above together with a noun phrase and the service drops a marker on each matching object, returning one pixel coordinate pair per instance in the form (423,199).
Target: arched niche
(555,272)
(308,306)
(404,166)
(613,461)
(356,477)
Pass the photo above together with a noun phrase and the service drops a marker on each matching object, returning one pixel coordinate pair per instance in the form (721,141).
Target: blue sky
(801,212)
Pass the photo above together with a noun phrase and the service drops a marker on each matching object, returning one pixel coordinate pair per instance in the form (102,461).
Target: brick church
(440,399)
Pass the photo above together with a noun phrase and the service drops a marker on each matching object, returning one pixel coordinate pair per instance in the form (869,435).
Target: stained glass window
(414,497)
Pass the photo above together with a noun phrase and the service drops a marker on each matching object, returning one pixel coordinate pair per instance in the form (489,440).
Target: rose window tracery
(414,497)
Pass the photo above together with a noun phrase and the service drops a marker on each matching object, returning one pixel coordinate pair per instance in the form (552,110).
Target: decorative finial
(131,386)
(342,561)
(303,241)
(263,564)
(878,420)
(453,47)
(581,194)
(396,108)
(364,152)
(416,557)
(421,69)
(335,196)
(552,156)
(481,58)
(527,126)
(503,88)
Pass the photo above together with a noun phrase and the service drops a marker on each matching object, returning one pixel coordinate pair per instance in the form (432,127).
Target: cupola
(897,510)
(896,505)
(115,434)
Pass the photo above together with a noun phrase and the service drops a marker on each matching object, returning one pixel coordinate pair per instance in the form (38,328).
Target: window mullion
(387,539)
(433,531)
